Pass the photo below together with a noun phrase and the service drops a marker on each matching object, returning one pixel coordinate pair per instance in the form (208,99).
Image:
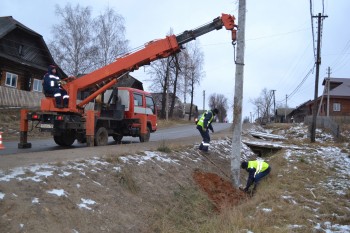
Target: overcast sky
(279,50)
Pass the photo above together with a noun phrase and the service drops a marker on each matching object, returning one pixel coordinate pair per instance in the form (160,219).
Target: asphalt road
(168,134)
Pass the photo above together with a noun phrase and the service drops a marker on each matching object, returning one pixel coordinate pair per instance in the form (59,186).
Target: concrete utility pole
(318,63)
(203,100)
(237,102)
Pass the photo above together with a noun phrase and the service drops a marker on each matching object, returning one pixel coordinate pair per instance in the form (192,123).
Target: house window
(37,86)
(11,79)
(20,50)
(336,107)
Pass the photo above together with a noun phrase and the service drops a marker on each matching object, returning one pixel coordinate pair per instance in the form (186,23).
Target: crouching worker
(52,86)
(257,169)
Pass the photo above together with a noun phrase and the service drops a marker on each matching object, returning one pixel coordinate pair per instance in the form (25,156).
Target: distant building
(178,107)
(339,101)
(282,115)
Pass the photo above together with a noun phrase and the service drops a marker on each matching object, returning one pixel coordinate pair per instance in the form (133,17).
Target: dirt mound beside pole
(219,190)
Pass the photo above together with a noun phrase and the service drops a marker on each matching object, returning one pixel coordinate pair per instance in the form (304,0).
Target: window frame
(39,84)
(336,107)
(12,76)
(139,104)
(150,103)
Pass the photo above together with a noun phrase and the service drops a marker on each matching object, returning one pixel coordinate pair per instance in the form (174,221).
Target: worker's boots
(65,102)
(58,102)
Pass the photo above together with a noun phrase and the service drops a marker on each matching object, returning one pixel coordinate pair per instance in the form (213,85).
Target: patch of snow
(2,195)
(65,174)
(328,227)
(150,155)
(289,198)
(85,202)
(266,210)
(295,226)
(35,200)
(95,161)
(95,182)
(57,192)
(12,175)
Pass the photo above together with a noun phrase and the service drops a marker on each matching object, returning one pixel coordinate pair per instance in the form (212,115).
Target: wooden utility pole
(318,63)
(274,106)
(328,87)
(285,110)
(237,102)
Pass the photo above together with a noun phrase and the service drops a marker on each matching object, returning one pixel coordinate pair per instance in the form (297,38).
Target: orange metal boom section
(152,51)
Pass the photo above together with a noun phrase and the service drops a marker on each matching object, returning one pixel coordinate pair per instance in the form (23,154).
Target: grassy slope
(296,197)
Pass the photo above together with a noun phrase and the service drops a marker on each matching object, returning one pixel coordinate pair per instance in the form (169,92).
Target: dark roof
(36,53)
(129,81)
(339,86)
(281,111)
(7,24)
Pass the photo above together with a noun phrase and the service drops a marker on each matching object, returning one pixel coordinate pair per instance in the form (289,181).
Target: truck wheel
(58,140)
(117,138)
(66,139)
(145,137)
(101,137)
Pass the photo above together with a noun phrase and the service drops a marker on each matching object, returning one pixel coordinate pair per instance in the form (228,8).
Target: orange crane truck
(128,111)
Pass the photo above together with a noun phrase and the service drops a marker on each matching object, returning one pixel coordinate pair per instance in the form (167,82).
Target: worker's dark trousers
(261,175)
(58,93)
(204,146)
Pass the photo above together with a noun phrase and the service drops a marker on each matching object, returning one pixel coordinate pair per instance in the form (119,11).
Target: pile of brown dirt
(220,191)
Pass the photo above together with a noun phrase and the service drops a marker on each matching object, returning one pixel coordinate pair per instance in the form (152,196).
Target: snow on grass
(327,227)
(332,156)
(58,192)
(35,200)
(85,203)
(150,156)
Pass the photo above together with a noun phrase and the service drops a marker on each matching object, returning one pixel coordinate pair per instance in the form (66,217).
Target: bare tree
(72,46)
(263,105)
(219,101)
(158,71)
(109,37)
(168,75)
(193,69)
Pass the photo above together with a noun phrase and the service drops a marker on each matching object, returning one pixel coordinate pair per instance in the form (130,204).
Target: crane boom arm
(153,50)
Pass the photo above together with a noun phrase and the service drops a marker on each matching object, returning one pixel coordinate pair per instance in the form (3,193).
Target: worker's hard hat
(244,164)
(51,67)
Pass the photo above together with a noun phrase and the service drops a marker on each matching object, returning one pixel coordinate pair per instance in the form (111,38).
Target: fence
(11,97)
(325,122)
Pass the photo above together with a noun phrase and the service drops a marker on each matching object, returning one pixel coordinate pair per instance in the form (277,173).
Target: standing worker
(257,169)
(203,126)
(52,86)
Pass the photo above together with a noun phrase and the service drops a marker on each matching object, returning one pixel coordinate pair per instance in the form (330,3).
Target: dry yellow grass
(286,201)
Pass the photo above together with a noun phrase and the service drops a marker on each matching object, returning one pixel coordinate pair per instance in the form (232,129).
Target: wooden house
(339,101)
(24,56)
